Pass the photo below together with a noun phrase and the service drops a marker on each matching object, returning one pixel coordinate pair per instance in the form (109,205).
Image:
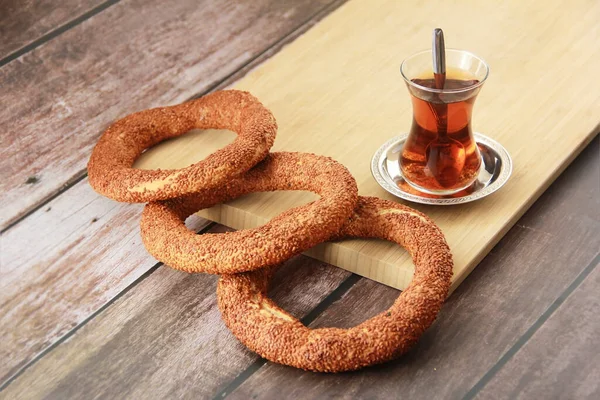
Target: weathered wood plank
(58,98)
(53,264)
(508,291)
(59,266)
(24,346)
(210,141)
(64,263)
(561,360)
(455,317)
(165,338)
(23,22)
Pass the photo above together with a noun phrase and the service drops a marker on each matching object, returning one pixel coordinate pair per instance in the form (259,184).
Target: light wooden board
(337,91)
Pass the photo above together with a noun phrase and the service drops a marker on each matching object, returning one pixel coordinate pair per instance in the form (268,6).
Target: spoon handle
(439,58)
(439,76)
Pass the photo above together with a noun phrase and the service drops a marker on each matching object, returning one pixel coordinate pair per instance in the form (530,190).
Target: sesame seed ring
(166,237)
(110,167)
(279,337)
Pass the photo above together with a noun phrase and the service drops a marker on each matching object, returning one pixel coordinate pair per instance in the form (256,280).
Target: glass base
(443,192)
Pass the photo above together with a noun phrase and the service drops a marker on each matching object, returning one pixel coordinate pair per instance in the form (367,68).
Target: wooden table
(86,312)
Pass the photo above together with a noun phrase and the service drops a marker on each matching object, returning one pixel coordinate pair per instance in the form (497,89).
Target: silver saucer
(495,171)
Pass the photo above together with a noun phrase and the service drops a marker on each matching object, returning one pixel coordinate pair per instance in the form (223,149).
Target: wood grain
(561,359)
(165,338)
(486,315)
(61,265)
(58,98)
(34,326)
(63,271)
(337,91)
(22,22)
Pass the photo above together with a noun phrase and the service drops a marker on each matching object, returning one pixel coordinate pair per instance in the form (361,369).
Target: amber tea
(425,165)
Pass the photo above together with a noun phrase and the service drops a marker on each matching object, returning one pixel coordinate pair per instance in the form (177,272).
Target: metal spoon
(445,156)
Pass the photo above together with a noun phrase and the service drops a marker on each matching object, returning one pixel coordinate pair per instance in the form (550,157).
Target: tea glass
(440,155)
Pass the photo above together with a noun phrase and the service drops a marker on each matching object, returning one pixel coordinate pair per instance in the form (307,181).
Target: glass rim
(433,90)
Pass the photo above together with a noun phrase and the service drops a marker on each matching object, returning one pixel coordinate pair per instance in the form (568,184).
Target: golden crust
(279,337)
(109,167)
(166,237)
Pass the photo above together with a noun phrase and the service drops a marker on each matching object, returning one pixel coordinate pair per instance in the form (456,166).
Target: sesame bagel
(165,236)
(110,166)
(278,336)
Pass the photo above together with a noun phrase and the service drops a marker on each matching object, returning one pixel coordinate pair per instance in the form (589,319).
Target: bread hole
(184,150)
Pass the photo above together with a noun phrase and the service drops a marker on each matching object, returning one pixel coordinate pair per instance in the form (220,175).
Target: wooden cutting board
(337,91)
